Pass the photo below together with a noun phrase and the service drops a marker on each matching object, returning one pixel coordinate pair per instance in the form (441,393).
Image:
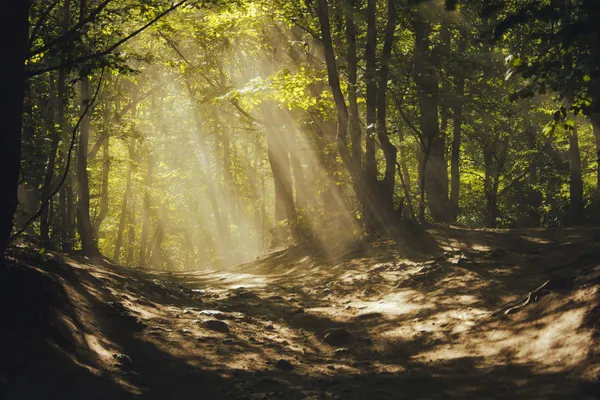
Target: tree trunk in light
(124,204)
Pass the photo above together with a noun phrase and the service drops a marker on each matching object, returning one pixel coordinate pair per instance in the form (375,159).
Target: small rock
(216,325)
(184,331)
(298,311)
(330,367)
(284,365)
(269,327)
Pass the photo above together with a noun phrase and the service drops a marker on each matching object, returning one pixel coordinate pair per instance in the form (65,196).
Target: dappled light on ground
(371,325)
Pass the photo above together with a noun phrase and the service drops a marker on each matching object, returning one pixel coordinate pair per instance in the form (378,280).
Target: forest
(295,152)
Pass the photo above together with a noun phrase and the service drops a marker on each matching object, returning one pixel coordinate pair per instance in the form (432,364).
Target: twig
(513,307)
(66,172)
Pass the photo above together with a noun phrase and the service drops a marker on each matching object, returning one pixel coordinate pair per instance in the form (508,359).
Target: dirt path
(376,324)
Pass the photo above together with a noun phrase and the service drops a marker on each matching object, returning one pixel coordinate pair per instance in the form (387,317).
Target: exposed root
(514,307)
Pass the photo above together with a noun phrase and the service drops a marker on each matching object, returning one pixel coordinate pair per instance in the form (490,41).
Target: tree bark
(435,176)
(389,150)
(84,224)
(371,78)
(14,30)
(351,57)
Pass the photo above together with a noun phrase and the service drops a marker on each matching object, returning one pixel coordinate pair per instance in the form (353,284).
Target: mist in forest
(184,135)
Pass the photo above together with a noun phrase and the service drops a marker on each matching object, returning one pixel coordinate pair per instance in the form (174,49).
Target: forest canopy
(176,134)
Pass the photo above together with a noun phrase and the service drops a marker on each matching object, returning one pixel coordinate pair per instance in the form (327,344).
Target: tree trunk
(490,213)
(354,115)
(279,161)
(390,152)
(146,212)
(58,108)
(131,233)
(84,225)
(435,177)
(371,78)
(124,205)
(14,30)
(576,181)
(104,190)
(456,140)
(595,117)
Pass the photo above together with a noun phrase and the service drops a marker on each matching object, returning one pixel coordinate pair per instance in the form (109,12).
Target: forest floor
(377,323)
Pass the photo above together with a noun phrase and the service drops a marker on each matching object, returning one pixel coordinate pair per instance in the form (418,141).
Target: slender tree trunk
(104,190)
(131,233)
(124,204)
(405,176)
(146,212)
(279,161)
(595,117)
(354,115)
(456,140)
(298,173)
(576,181)
(58,108)
(84,224)
(14,30)
(389,150)
(371,78)
(490,213)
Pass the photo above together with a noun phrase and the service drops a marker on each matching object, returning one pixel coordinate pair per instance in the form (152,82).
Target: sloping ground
(457,319)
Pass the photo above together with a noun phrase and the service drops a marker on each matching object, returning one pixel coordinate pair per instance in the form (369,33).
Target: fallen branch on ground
(516,306)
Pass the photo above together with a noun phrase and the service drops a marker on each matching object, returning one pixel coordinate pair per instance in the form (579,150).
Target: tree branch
(111,48)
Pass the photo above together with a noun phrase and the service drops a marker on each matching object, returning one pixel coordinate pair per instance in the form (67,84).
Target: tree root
(516,306)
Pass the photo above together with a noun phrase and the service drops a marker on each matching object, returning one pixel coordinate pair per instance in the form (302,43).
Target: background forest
(171,135)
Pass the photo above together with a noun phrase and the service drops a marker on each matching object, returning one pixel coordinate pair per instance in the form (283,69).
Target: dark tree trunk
(435,177)
(354,115)
(58,108)
(84,224)
(371,78)
(14,29)
(390,152)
